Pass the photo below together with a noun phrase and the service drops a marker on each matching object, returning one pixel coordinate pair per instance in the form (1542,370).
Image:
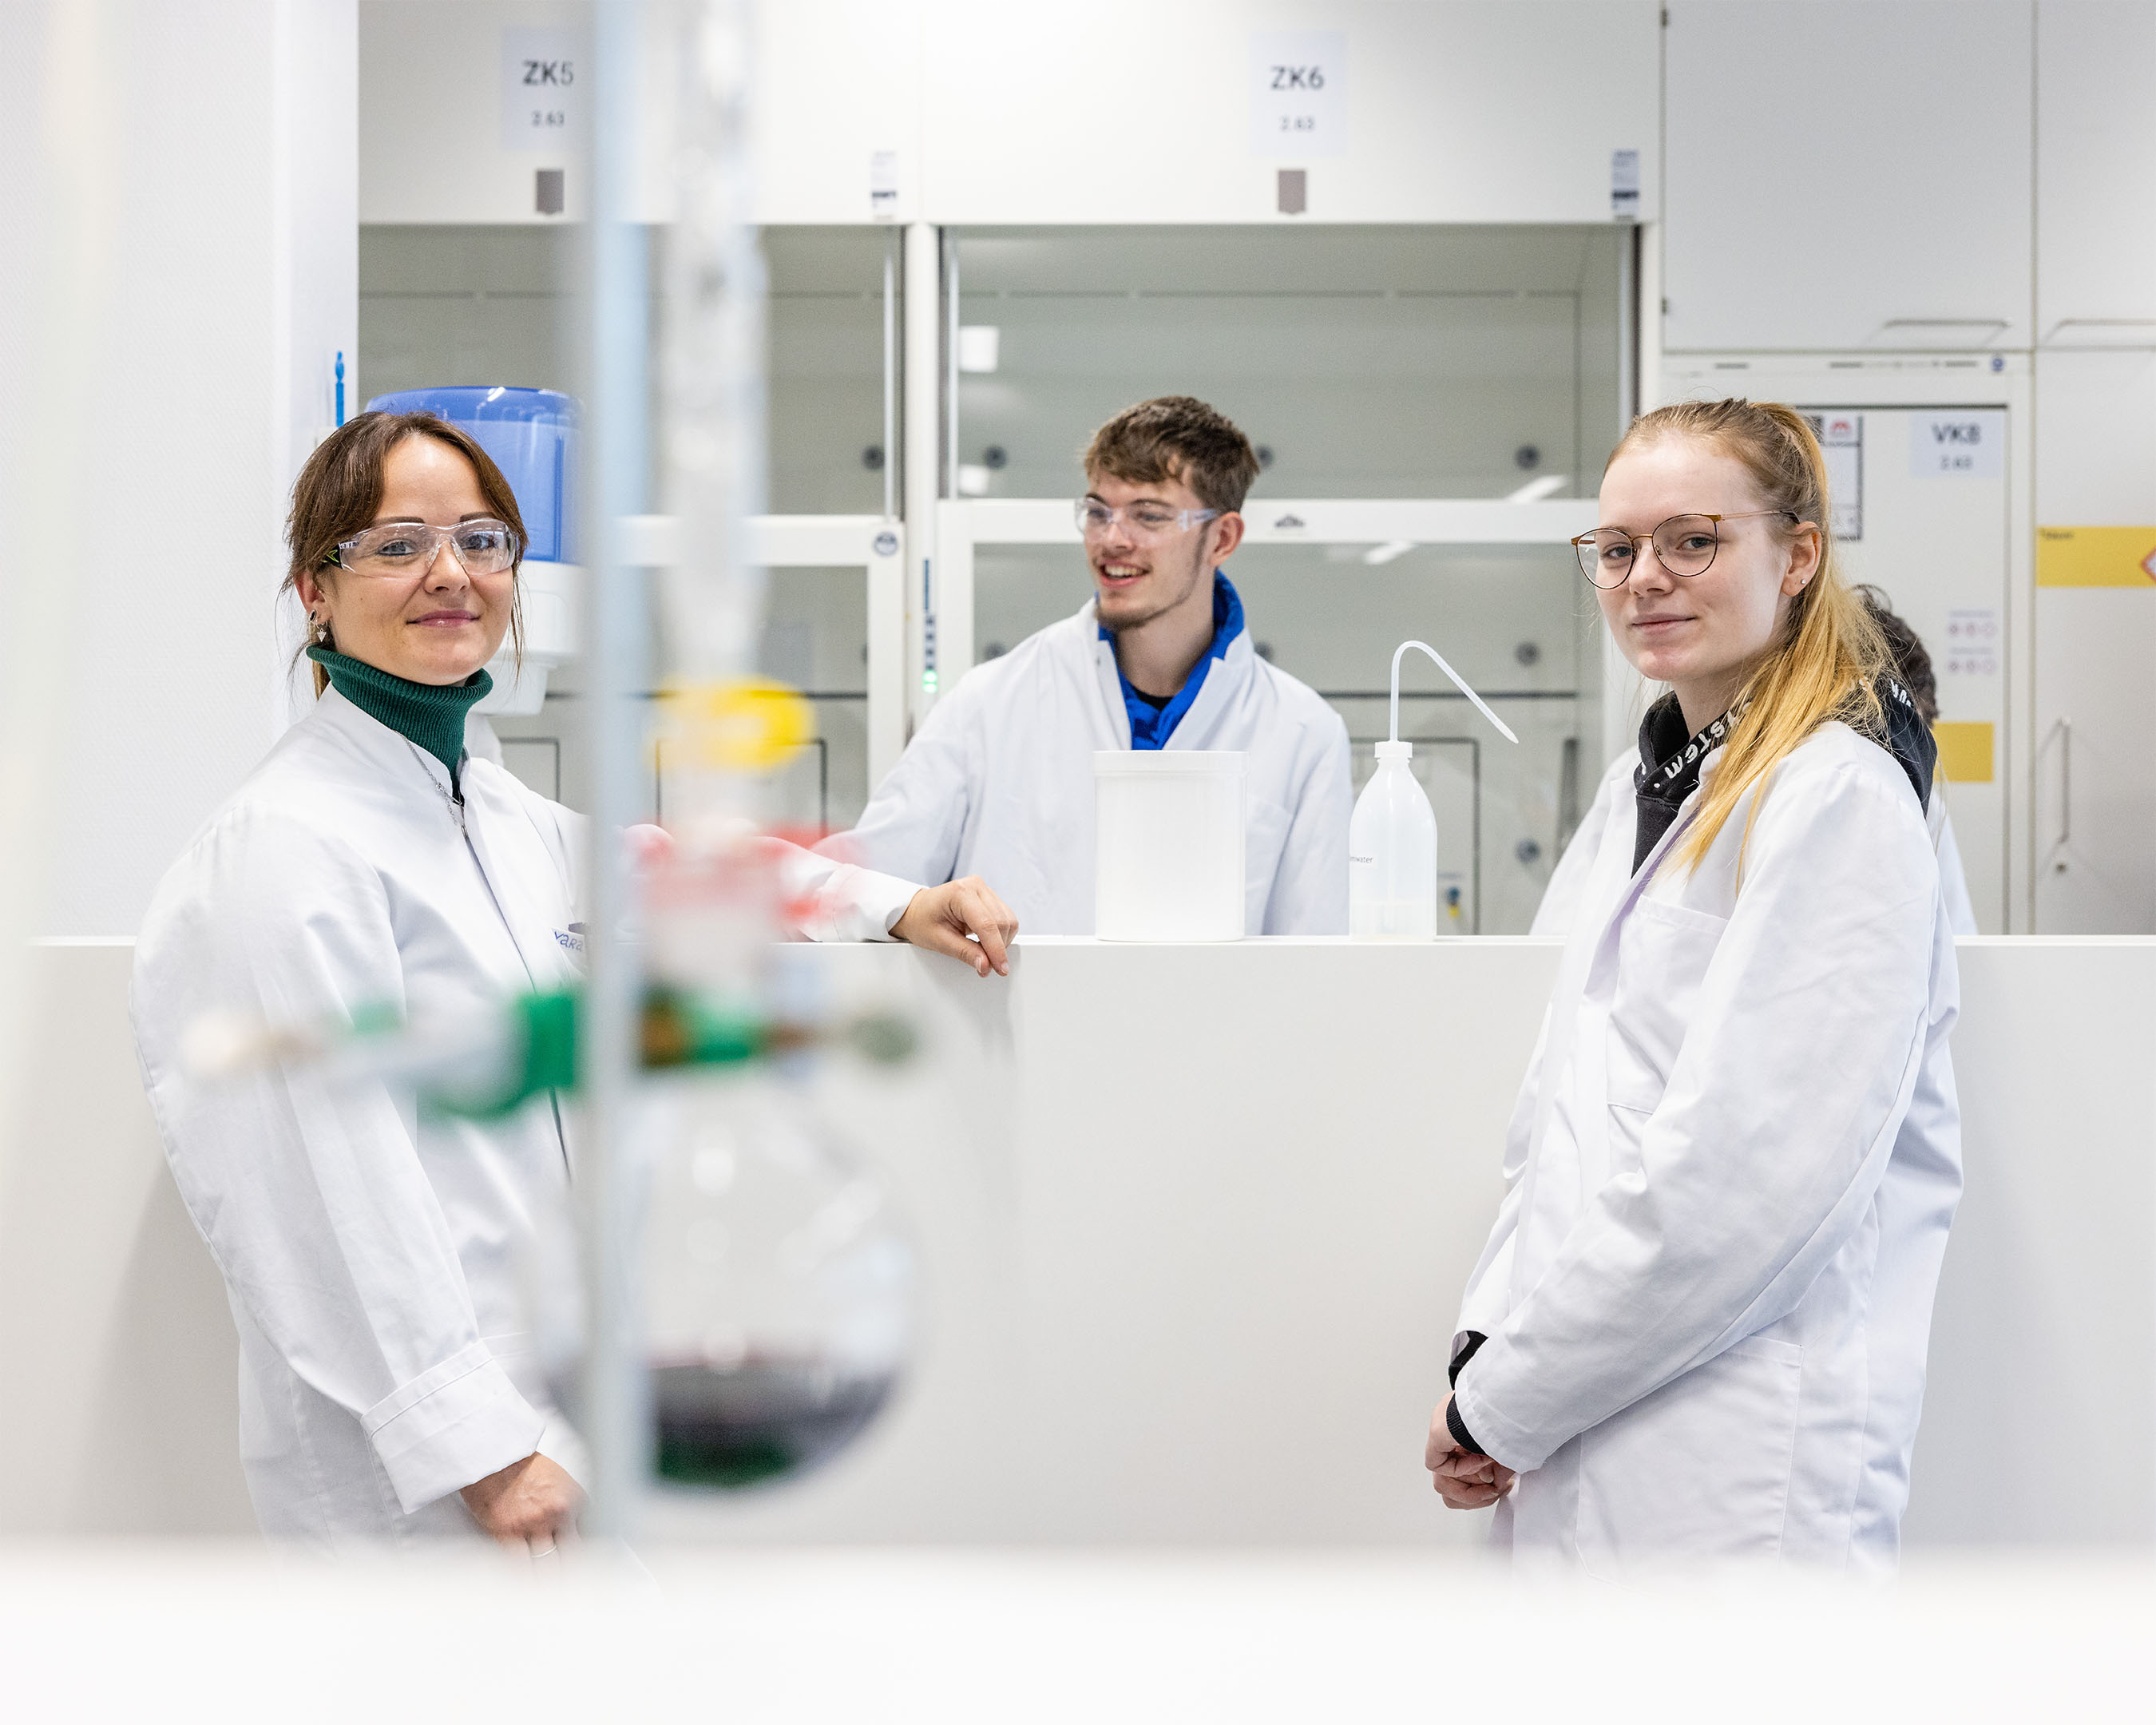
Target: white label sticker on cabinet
(1298,93)
(1972,644)
(1961,445)
(1842,440)
(883,185)
(541,91)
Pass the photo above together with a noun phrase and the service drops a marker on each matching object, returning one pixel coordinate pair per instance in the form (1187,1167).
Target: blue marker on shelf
(340,387)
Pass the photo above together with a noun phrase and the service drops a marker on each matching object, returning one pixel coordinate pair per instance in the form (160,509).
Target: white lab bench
(1066,1637)
(1193,1221)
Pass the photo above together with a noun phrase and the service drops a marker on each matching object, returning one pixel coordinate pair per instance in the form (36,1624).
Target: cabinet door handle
(2066,729)
(1985,324)
(2099,323)
(890,376)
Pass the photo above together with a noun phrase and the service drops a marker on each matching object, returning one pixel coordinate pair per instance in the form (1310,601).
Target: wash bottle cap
(1395,751)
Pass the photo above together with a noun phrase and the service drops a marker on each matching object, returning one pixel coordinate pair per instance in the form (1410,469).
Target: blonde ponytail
(1827,661)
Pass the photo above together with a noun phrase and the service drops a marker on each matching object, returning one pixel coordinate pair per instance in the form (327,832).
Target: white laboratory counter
(1194,1220)
(956,1637)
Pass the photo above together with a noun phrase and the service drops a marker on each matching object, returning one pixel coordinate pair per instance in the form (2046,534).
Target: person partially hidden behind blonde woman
(1912,670)
(1698,1329)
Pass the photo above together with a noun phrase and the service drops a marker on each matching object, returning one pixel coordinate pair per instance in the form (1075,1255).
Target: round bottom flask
(777,1293)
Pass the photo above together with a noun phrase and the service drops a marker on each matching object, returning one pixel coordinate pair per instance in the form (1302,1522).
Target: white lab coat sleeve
(1771,1136)
(310,1194)
(1483,1306)
(835,900)
(913,825)
(1568,879)
(1310,887)
(827,900)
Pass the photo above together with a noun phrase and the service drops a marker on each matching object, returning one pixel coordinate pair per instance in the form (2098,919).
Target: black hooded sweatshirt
(1670,761)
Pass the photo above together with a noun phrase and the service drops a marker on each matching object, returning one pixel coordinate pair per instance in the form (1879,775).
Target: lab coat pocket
(1699,1471)
(1662,954)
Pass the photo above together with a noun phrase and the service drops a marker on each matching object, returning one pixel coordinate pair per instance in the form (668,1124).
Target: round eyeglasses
(483,547)
(1141,520)
(1684,544)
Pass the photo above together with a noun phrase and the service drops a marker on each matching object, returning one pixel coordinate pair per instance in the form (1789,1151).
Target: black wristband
(1458,1427)
(1463,1354)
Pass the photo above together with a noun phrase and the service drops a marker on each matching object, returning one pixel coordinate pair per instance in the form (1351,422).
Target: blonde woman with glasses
(1698,1330)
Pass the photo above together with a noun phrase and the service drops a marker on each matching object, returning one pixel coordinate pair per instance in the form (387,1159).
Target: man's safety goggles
(1140,521)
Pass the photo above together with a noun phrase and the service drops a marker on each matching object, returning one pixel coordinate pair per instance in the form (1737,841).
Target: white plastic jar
(1168,845)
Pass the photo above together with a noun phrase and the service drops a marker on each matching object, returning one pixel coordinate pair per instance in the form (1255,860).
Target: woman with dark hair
(370,1250)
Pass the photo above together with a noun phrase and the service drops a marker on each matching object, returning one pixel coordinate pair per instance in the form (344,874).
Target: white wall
(205,375)
(1190,1288)
(112,1316)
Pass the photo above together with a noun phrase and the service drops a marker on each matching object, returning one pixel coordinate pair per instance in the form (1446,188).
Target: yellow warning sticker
(2096,556)
(1964,752)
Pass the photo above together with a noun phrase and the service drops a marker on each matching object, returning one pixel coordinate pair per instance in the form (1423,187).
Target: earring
(322,628)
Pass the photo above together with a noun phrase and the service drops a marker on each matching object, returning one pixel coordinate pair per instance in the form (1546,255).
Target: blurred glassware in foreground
(778,1283)
(774,1286)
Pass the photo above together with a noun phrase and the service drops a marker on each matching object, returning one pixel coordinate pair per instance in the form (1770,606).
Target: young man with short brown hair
(999,780)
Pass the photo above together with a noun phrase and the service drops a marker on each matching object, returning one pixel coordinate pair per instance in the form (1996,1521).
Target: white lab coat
(372,1256)
(1953,884)
(1728,1182)
(998,782)
(1560,898)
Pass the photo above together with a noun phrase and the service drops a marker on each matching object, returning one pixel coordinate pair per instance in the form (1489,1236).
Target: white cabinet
(838,111)
(2095,644)
(1946,541)
(983,112)
(1843,176)
(1132,112)
(439,100)
(1935,543)
(2096,173)
(442,89)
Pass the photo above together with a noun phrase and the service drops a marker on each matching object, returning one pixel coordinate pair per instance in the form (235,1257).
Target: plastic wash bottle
(1391,855)
(1392,838)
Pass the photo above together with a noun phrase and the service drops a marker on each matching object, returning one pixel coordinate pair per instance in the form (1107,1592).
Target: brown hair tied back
(1912,660)
(1172,439)
(340,488)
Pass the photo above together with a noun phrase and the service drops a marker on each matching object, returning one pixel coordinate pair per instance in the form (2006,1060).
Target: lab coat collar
(1223,691)
(386,751)
(1217,700)
(1227,625)
(388,755)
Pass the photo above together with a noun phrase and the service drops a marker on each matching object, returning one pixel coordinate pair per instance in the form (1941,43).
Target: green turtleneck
(432,714)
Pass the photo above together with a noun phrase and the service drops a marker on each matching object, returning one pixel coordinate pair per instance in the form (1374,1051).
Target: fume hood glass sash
(963,523)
